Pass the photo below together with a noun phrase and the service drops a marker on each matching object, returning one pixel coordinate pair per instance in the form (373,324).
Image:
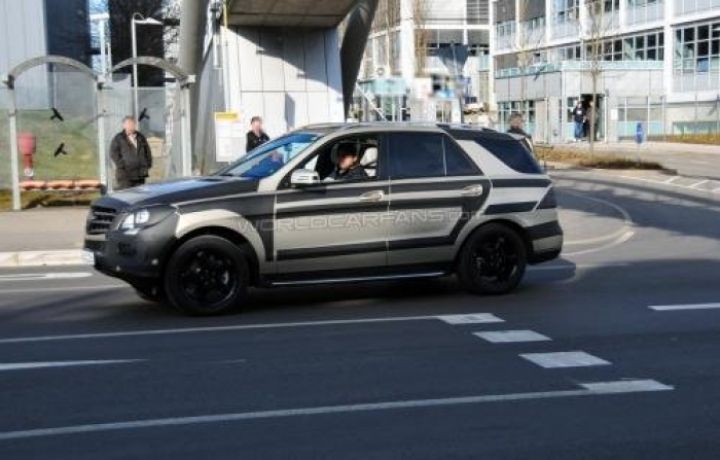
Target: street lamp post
(138,18)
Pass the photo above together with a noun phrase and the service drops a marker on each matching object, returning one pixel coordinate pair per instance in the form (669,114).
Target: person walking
(256,136)
(131,154)
(579,120)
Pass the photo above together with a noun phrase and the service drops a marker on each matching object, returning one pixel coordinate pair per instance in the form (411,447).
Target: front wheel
(493,260)
(207,275)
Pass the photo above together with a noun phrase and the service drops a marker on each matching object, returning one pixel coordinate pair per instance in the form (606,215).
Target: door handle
(372,197)
(473,190)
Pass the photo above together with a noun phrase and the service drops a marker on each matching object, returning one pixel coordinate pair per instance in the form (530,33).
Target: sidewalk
(42,237)
(691,160)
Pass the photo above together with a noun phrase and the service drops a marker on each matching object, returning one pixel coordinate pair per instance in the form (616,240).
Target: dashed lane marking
(55,364)
(564,359)
(697,306)
(512,336)
(587,389)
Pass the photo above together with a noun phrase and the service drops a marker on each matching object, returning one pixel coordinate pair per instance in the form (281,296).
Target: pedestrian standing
(517,127)
(579,120)
(256,136)
(131,154)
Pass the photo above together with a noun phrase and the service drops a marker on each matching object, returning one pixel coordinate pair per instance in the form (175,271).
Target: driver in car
(348,167)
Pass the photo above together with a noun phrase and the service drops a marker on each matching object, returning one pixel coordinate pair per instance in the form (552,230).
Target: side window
(414,155)
(457,161)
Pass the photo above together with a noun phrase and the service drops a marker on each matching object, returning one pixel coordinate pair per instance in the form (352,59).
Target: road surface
(611,352)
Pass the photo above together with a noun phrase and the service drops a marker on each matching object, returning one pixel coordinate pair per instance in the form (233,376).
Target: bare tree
(528,42)
(598,27)
(151,42)
(419,16)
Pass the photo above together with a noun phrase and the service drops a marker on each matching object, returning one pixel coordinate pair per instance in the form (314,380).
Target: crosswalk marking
(471,318)
(564,359)
(512,336)
(626,386)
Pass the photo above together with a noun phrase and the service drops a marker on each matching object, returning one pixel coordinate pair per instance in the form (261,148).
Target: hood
(178,191)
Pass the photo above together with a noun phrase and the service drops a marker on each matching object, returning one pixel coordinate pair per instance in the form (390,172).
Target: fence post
(15,173)
(102,154)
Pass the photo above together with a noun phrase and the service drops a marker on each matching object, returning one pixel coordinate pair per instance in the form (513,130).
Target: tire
(207,275)
(492,260)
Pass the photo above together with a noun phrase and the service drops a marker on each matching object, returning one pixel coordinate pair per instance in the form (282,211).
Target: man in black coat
(256,136)
(131,154)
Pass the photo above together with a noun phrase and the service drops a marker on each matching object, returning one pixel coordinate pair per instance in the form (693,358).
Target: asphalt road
(605,354)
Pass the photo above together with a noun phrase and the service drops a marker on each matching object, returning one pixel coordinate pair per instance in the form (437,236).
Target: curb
(42,258)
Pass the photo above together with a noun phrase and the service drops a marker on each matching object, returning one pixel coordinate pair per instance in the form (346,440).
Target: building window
(566,11)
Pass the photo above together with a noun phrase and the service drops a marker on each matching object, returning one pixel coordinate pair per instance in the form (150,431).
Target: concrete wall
(290,77)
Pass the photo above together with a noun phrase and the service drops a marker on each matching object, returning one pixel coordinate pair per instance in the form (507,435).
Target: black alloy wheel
(207,275)
(493,260)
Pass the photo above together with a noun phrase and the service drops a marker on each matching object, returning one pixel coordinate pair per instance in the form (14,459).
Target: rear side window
(416,155)
(511,152)
(457,161)
(427,155)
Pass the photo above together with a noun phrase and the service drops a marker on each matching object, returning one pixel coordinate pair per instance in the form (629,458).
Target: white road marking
(102,287)
(566,266)
(625,386)
(54,364)
(44,276)
(512,336)
(697,306)
(622,239)
(475,318)
(564,359)
(589,389)
(616,238)
(702,182)
(242,327)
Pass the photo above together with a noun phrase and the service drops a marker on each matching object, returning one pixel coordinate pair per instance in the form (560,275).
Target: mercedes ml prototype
(334,204)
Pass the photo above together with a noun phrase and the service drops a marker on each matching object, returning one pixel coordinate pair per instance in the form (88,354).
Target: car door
(333,230)
(435,188)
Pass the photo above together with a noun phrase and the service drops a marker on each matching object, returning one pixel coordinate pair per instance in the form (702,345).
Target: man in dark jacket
(131,154)
(348,167)
(256,136)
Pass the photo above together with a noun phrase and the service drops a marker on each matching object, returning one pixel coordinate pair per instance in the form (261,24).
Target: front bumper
(134,258)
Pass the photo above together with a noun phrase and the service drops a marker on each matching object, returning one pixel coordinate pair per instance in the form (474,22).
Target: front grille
(100,220)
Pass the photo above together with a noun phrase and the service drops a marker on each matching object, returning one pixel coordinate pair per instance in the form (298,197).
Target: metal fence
(58,117)
(61,118)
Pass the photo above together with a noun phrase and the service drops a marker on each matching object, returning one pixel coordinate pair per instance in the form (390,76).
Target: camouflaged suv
(428,201)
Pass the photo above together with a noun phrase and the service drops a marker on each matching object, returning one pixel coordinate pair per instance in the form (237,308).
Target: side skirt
(357,275)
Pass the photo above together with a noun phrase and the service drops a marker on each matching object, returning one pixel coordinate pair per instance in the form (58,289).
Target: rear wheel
(493,260)
(207,275)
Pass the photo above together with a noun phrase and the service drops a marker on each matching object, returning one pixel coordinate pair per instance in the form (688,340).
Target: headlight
(143,217)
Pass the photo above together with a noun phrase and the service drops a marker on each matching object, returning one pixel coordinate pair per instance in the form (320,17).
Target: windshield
(267,159)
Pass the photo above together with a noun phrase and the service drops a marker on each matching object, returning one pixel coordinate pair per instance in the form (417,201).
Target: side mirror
(304,178)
